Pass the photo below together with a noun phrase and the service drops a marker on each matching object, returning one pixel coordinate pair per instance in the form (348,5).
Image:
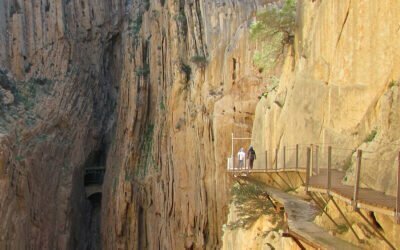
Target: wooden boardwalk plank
(366,195)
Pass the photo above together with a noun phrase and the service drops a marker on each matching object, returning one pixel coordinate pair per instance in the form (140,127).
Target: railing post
(284,157)
(329,168)
(266,159)
(297,156)
(233,158)
(308,168)
(276,159)
(311,159)
(357,182)
(316,160)
(398,192)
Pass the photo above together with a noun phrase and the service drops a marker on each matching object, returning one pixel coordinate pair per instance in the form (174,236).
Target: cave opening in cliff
(94,239)
(93,181)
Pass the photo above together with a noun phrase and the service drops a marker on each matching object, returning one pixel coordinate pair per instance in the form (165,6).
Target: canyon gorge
(145,95)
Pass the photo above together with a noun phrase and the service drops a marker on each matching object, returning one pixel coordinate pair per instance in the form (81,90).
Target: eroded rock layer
(58,86)
(152,90)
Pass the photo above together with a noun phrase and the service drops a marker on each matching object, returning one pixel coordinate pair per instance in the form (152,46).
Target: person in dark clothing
(251,155)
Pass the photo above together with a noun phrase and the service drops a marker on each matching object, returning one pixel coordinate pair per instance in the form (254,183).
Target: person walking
(241,157)
(251,155)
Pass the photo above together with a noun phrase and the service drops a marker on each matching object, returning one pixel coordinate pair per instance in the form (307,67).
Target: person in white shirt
(241,157)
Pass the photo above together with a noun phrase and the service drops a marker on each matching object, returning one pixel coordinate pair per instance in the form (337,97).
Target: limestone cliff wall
(58,85)
(167,185)
(339,85)
(150,89)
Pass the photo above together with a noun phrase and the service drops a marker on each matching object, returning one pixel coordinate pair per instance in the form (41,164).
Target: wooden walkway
(320,164)
(367,198)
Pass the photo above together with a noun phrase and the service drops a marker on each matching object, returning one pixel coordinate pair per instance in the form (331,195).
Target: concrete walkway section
(300,216)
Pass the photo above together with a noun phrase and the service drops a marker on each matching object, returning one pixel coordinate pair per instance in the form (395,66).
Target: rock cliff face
(340,87)
(190,84)
(152,90)
(58,90)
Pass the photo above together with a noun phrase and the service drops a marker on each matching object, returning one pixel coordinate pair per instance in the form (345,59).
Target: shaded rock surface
(150,89)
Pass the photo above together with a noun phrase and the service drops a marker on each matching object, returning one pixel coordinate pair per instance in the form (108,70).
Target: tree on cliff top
(275,26)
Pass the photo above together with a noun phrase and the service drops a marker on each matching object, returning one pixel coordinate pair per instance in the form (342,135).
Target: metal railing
(94,176)
(316,158)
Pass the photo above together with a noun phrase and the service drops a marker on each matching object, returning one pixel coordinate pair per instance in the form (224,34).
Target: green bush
(162,105)
(187,70)
(251,201)
(135,26)
(199,60)
(371,136)
(275,27)
(393,83)
(181,20)
(146,4)
(142,71)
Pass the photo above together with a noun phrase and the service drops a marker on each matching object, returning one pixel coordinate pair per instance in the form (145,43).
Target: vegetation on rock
(371,136)
(251,202)
(199,60)
(275,27)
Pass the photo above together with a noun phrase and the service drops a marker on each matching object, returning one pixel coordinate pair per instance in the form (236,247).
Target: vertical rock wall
(340,86)
(187,83)
(59,73)
(156,86)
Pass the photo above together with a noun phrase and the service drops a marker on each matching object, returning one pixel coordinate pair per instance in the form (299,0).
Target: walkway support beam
(345,219)
(276,159)
(308,168)
(398,192)
(376,230)
(357,183)
(297,156)
(312,159)
(316,160)
(329,168)
(233,159)
(266,159)
(284,157)
(323,209)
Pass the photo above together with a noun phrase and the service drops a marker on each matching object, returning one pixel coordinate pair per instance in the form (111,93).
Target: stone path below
(300,219)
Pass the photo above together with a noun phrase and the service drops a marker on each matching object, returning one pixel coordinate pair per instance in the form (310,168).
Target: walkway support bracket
(284,157)
(308,168)
(329,168)
(376,230)
(357,182)
(398,192)
(316,160)
(233,159)
(297,156)
(345,219)
(323,209)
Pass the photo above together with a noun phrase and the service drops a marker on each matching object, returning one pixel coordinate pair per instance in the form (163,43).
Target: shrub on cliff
(199,60)
(251,201)
(275,27)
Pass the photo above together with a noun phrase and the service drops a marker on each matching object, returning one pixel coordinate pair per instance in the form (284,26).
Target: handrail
(326,159)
